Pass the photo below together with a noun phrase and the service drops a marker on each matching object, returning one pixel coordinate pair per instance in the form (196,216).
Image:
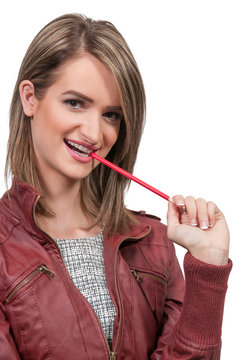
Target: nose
(91,129)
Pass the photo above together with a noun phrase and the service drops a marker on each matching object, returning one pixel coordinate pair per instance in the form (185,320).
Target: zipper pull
(136,275)
(48,272)
(112,355)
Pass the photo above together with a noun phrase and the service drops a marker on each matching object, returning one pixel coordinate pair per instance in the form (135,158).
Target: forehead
(88,75)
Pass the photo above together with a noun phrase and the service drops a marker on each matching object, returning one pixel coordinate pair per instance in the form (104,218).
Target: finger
(180,203)
(179,200)
(202,213)
(211,208)
(217,212)
(191,210)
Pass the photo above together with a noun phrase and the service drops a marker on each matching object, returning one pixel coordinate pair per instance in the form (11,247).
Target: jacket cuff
(202,311)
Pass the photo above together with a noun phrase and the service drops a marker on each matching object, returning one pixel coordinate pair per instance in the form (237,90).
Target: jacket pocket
(154,288)
(40,269)
(26,304)
(140,275)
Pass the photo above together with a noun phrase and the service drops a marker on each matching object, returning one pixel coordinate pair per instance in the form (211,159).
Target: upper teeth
(79,147)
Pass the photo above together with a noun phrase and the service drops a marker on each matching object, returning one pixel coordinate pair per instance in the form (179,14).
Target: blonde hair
(102,191)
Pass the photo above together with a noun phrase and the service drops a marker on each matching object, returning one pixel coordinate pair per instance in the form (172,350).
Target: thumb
(172,215)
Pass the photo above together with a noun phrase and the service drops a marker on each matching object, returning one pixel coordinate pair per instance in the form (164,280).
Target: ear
(26,90)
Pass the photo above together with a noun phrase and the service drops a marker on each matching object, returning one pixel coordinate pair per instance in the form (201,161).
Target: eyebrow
(79,95)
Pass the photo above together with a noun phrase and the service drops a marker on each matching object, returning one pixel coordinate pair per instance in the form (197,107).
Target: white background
(188,55)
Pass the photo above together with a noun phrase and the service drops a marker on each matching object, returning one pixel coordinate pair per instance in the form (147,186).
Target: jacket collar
(21,199)
(135,233)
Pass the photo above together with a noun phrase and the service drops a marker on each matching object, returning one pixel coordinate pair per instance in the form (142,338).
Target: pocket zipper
(38,270)
(138,276)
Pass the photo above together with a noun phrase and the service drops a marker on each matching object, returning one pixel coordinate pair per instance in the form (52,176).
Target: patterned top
(84,259)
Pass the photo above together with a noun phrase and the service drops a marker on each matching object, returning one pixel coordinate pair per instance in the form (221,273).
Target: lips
(81,149)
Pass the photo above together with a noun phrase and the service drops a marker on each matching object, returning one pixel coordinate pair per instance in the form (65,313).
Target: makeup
(130,176)
(83,158)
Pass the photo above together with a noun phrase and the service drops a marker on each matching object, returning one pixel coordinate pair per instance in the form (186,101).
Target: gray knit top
(84,259)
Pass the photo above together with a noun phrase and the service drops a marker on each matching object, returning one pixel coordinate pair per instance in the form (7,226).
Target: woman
(82,276)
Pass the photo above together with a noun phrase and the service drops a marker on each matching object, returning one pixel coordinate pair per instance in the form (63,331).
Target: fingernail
(210,224)
(204,225)
(194,222)
(180,203)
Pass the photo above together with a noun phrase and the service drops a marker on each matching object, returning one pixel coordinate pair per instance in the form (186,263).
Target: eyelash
(70,101)
(112,115)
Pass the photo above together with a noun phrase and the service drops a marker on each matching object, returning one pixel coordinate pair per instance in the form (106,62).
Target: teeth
(84,149)
(81,154)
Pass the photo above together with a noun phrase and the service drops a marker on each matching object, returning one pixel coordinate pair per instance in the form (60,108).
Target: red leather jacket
(44,316)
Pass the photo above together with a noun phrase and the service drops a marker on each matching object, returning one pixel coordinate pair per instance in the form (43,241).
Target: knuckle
(190,198)
(211,208)
(200,200)
(176,197)
(211,204)
(179,200)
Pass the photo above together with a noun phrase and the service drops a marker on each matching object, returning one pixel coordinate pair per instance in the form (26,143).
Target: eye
(74,104)
(113,116)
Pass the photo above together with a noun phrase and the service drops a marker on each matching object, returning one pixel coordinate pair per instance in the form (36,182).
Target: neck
(70,221)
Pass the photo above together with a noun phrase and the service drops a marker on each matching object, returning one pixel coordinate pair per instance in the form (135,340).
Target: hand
(200,227)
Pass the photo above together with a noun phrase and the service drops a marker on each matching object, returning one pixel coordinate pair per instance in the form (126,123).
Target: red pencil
(130,176)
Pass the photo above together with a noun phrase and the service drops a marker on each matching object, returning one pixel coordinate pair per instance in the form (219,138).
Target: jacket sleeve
(191,330)
(8,349)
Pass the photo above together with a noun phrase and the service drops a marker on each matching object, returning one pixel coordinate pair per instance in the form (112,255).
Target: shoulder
(158,229)
(156,236)
(152,250)
(7,220)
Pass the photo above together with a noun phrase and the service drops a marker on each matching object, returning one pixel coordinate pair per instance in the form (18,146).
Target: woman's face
(79,113)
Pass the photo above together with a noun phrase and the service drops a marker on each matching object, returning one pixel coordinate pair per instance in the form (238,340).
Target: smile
(78,149)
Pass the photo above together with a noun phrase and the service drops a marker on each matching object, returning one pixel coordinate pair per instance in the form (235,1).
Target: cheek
(114,132)
(44,128)
(50,119)
(113,135)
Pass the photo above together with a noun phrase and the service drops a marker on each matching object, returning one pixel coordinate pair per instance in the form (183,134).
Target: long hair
(66,37)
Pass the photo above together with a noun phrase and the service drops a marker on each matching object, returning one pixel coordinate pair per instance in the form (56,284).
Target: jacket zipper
(38,270)
(112,354)
(138,276)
